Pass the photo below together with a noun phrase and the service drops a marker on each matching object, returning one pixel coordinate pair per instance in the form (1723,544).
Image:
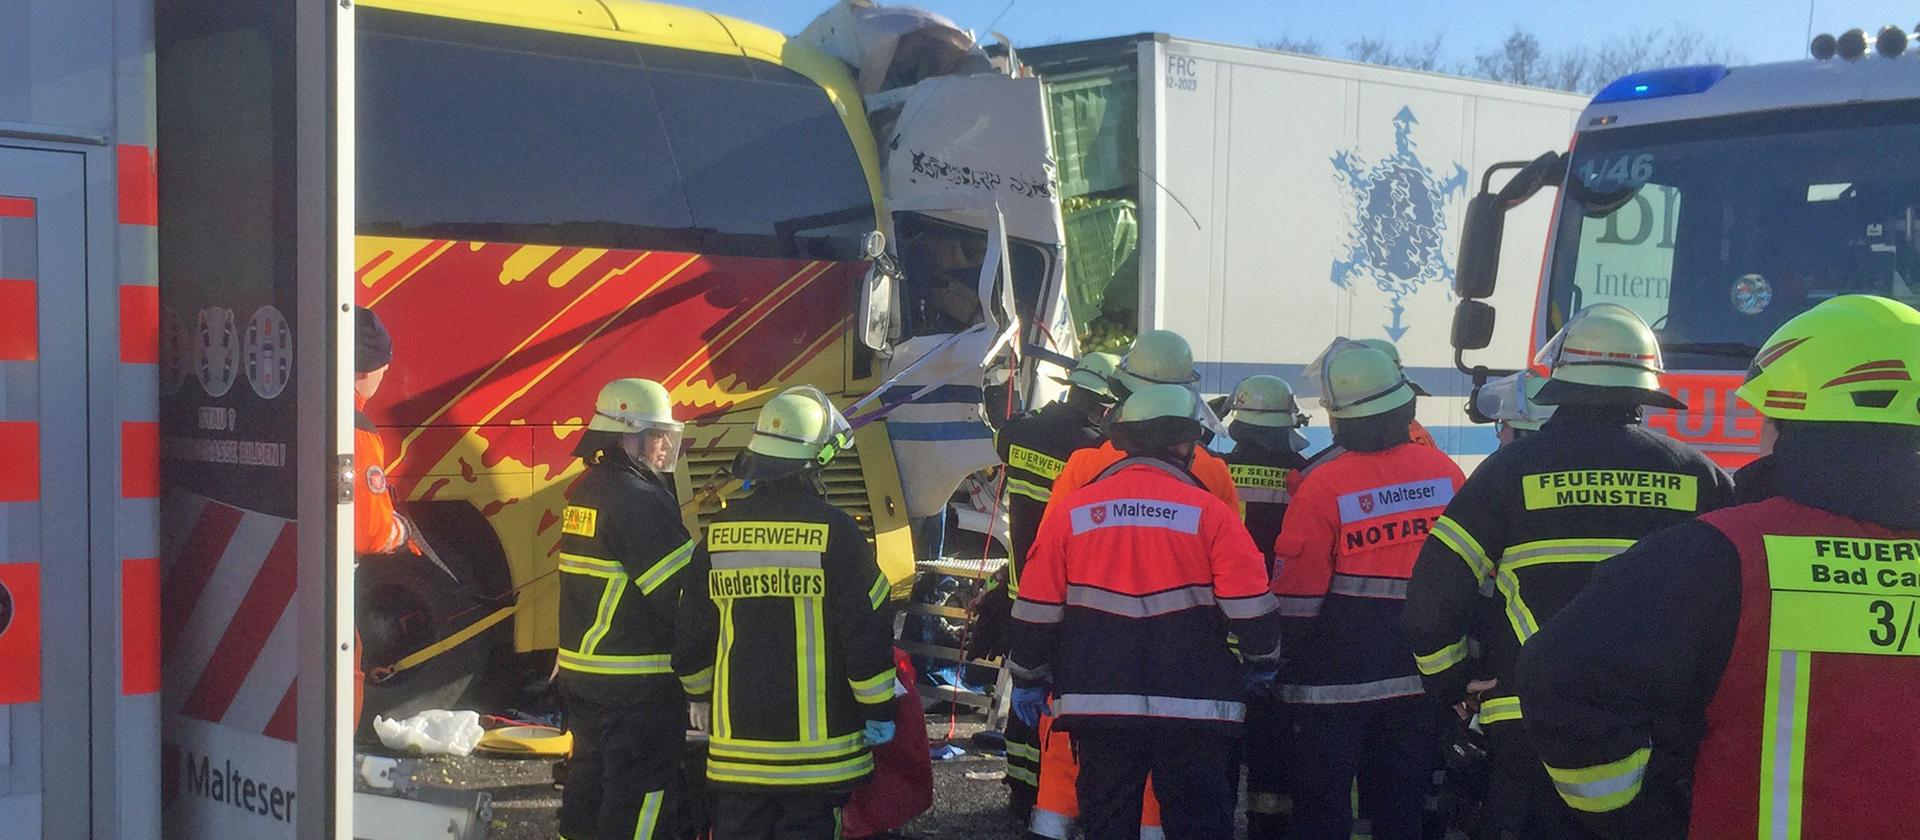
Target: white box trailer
(1278,201)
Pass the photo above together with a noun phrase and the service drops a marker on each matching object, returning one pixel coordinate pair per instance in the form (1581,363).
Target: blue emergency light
(1654,84)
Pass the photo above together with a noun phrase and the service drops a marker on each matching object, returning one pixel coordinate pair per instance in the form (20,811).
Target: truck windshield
(1717,231)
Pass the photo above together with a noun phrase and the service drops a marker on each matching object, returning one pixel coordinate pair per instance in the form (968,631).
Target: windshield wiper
(1724,349)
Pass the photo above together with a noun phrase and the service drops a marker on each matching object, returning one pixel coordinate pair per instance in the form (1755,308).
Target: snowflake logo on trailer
(218,360)
(1400,221)
(269,352)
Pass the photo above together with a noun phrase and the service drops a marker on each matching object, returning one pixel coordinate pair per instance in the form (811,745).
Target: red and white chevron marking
(228,630)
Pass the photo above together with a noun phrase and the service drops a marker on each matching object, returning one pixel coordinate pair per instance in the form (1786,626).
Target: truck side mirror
(1480,247)
(1472,325)
(877,292)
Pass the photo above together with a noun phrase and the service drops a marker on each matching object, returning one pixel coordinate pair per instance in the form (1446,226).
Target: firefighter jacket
(1755,673)
(1035,447)
(1263,479)
(1528,529)
(1134,582)
(622,553)
(1088,464)
(782,627)
(375,529)
(1344,554)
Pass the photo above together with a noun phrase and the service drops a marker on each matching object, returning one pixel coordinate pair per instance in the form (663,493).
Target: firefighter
(377,529)
(623,556)
(1415,432)
(1035,447)
(1133,583)
(1157,357)
(1510,403)
(786,648)
(1753,673)
(1344,553)
(1533,522)
(1265,456)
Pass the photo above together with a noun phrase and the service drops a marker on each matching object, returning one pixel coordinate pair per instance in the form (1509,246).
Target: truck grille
(846,484)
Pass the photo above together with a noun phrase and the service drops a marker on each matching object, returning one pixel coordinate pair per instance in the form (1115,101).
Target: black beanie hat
(372,346)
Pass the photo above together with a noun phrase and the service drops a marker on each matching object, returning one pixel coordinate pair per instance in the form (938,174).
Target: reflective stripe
(1030,490)
(875,689)
(649,815)
(1034,612)
(790,774)
(722,679)
(1455,537)
(766,559)
(1263,495)
(1368,587)
(1352,693)
(1140,606)
(1252,606)
(664,570)
(1145,705)
(581,564)
(1050,824)
(643,664)
(1541,552)
(1023,775)
(611,592)
(1024,752)
(1783,744)
(878,592)
(1294,606)
(1442,659)
(1605,787)
(752,750)
(1153,832)
(699,682)
(811,658)
(1498,709)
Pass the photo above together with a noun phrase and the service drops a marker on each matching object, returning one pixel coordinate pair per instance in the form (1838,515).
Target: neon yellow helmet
(1850,359)
(636,407)
(1511,400)
(1605,345)
(1358,381)
(1093,373)
(1262,400)
(1158,357)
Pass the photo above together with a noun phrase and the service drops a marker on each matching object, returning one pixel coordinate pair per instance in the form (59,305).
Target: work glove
(877,732)
(700,715)
(1030,703)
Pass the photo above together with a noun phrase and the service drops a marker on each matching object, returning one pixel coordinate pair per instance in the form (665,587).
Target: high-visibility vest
(1814,730)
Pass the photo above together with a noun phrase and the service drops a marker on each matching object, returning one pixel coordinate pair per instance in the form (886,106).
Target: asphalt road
(969,799)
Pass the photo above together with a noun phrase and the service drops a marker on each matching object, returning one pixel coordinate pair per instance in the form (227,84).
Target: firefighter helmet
(1605,345)
(1851,359)
(634,407)
(799,429)
(1393,352)
(1262,400)
(1356,380)
(1093,373)
(1158,357)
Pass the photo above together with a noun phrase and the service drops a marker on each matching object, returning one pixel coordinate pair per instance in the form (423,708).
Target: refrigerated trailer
(1262,203)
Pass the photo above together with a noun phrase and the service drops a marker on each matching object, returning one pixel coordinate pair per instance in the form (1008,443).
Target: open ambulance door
(254,121)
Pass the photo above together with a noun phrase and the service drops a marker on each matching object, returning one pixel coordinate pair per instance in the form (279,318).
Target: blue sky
(1761,30)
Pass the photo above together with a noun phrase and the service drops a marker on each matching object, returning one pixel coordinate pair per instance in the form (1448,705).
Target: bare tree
(1379,49)
(1520,57)
(1290,44)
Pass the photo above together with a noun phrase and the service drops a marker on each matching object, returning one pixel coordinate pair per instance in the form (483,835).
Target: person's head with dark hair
(372,353)
(1158,421)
